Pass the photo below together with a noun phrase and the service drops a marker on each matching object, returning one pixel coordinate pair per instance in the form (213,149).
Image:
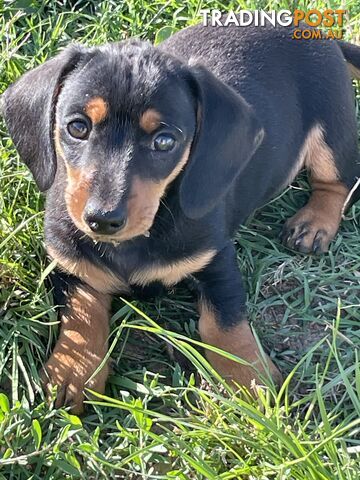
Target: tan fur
(150,120)
(316,157)
(80,349)
(77,193)
(96,109)
(238,341)
(101,279)
(173,273)
(319,158)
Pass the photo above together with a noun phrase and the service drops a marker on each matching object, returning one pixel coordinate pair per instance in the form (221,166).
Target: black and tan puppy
(152,157)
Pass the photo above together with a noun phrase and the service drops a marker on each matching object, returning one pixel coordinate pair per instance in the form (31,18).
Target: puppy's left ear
(228,134)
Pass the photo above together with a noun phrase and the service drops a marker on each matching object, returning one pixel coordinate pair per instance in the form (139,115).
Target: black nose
(105,223)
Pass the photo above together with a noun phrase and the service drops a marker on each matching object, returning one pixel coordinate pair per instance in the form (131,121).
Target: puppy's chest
(170,272)
(118,272)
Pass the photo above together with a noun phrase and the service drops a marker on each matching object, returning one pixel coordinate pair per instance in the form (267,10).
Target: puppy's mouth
(115,240)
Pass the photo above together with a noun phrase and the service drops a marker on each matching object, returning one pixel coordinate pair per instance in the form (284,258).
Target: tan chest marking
(174,272)
(100,279)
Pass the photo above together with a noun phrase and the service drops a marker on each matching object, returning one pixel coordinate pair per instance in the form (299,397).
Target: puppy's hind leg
(313,228)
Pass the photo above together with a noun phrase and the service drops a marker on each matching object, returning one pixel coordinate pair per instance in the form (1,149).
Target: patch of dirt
(296,335)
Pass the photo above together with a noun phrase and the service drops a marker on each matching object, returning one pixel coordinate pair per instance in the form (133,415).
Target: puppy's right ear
(28,107)
(228,134)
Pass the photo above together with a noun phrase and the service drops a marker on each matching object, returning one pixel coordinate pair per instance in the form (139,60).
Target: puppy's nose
(105,223)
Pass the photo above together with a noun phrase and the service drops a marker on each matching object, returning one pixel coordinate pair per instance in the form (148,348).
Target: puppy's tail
(352,56)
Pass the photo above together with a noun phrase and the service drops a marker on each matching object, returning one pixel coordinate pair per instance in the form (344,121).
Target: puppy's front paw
(70,371)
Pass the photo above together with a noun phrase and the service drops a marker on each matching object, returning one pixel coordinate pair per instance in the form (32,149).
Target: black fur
(228,129)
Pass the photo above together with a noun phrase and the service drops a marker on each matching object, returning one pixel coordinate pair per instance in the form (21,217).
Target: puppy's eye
(78,129)
(164,142)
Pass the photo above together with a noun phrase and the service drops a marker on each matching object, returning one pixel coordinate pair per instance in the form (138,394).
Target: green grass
(156,421)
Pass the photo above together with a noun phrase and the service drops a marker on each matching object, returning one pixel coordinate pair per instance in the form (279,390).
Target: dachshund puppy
(152,157)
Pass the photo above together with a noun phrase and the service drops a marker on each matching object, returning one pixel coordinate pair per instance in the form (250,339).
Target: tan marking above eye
(172,273)
(101,279)
(96,109)
(150,120)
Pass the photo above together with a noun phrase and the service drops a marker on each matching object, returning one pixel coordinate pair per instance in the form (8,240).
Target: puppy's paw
(239,341)
(307,232)
(248,376)
(70,372)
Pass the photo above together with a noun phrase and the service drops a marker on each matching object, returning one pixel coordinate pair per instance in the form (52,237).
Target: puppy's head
(123,121)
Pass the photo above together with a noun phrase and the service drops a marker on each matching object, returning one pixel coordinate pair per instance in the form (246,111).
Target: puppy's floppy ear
(28,107)
(228,134)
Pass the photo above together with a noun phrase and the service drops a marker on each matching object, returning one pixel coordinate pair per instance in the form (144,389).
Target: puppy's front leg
(223,323)
(82,343)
